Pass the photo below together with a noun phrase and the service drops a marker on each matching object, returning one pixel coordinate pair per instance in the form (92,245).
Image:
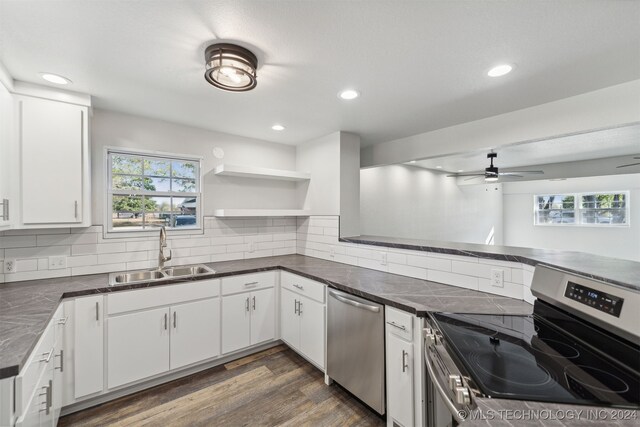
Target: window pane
(184,185)
(603,201)
(184,169)
(157,167)
(185,211)
(555,217)
(127,211)
(556,201)
(127,182)
(604,216)
(156,184)
(121,164)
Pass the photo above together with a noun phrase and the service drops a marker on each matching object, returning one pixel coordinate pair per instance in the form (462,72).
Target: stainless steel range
(580,346)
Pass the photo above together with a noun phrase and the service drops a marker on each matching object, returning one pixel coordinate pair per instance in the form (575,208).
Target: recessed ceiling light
(349,94)
(54,78)
(438,167)
(500,70)
(412,161)
(277,127)
(460,170)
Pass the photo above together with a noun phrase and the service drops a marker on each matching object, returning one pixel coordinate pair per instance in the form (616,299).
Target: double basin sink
(154,275)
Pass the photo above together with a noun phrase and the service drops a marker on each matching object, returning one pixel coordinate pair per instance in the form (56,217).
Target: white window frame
(110,232)
(578,209)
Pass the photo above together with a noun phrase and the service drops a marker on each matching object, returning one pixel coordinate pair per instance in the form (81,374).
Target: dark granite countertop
(611,270)
(26,307)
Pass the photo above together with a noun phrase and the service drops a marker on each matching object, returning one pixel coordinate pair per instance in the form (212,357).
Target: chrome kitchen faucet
(163,244)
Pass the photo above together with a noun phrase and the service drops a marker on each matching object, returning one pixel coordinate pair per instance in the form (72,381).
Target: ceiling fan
(630,164)
(491,173)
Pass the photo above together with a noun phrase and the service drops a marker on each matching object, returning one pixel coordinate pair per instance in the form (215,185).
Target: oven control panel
(599,300)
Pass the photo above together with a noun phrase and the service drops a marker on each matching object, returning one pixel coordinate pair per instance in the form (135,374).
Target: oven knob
(455,381)
(462,396)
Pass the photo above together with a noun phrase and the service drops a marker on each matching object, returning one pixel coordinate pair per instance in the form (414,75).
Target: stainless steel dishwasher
(355,347)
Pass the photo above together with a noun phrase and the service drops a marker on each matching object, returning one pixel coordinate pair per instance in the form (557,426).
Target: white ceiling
(621,141)
(420,65)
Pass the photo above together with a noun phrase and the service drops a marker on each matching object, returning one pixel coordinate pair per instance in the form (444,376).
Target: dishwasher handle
(342,298)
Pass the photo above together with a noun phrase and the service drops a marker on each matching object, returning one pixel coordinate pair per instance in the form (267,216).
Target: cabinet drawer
(248,282)
(40,358)
(120,302)
(399,323)
(303,286)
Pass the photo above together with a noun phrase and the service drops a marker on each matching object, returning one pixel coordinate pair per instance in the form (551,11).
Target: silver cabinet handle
(295,309)
(246,305)
(47,357)
(97,311)
(299,308)
(298,286)
(251,284)
(254,303)
(395,325)
(47,393)
(165,321)
(405,366)
(342,298)
(5,209)
(63,321)
(175,322)
(75,209)
(61,356)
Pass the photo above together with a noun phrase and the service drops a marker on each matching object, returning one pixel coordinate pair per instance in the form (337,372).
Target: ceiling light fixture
(460,170)
(349,94)
(412,161)
(500,70)
(438,167)
(54,78)
(230,67)
(277,127)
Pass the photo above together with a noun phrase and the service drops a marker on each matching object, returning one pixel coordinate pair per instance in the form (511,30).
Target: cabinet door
(58,363)
(195,332)
(88,341)
(6,142)
(236,322)
(51,143)
(38,411)
(400,380)
(289,320)
(263,322)
(312,330)
(138,346)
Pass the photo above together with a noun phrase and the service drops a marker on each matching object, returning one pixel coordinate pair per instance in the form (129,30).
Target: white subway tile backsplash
(26,265)
(471,269)
(229,240)
(407,270)
(284,236)
(517,276)
(110,248)
(33,232)
(142,246)
(454,279)
(511,290)
(82,260)
(38,252)
(17,241)
(91,248)
(97,269)
(37,274)
(122,257)
(67,239)
(418,261)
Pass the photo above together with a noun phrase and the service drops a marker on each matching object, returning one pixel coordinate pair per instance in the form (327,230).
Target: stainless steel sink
(190,270)
(142,276)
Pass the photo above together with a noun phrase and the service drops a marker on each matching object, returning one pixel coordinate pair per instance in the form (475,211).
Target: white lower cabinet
(88,346)
(247,319)
(400,380)
(302,317)
(138,346)
(195,332)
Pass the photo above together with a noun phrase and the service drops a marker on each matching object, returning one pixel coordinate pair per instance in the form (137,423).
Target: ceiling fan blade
(632,164)
(473,177)
(465,174)
(511,174)
(522,172)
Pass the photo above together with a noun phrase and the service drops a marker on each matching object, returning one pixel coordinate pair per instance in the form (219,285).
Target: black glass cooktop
(531,358)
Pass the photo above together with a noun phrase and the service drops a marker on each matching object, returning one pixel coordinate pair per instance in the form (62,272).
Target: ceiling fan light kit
(230,67)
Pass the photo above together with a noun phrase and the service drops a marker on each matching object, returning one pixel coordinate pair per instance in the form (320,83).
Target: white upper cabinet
(54,162)
(6,156)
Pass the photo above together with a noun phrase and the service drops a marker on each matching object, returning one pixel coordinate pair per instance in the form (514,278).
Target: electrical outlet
(497,278)
(383,258)
(57,262)
(251,247)
(10,266)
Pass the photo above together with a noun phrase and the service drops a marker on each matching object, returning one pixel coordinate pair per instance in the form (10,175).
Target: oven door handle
(455,412)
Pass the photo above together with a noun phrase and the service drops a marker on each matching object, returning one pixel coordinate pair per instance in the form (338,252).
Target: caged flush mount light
(230,67)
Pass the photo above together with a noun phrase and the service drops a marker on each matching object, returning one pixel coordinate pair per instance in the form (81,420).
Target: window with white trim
(146,191)
(588,209)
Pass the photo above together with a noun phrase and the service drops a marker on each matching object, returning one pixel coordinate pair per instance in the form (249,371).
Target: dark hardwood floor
(271,388)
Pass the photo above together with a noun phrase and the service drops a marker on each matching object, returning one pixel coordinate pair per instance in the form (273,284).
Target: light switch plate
(497,278)
(332,251)
(10,266)
(382,258)
(57,262)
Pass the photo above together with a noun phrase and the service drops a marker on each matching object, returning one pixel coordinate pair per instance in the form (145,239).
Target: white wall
(127,131)
(618,242)
(412,202)
(349,184)
(599,109)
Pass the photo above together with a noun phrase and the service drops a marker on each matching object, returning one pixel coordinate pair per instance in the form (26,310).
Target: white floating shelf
(264,173)
(260,212)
